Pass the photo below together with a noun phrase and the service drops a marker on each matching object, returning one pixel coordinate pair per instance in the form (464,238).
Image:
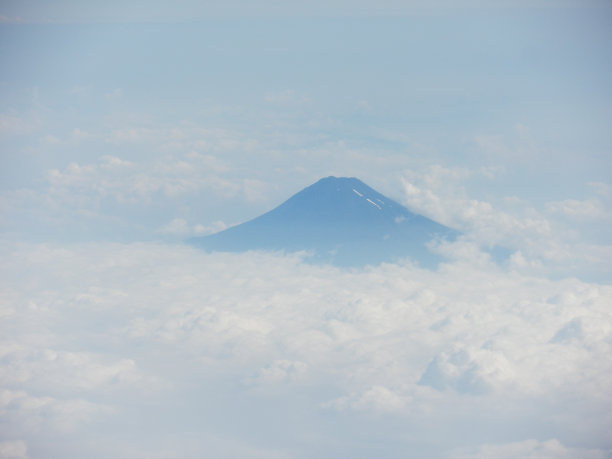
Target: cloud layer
(164,123)
(263,355)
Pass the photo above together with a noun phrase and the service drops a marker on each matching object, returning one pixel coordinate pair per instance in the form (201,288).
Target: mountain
(339,220)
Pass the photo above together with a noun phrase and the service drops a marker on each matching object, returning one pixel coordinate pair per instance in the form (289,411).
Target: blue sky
(126,127)
(282,101)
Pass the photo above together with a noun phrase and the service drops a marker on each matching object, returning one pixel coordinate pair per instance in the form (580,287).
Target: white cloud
(376,399)
(111,195)
(255,190)
(178,227)
(113,162)
(215,227)
(538,241)
(470,371)
(113,177)
(61,370)
(15,449)
(181,228)
(279,371)
(94,333)
(440,194)
(576,209)
(26,414)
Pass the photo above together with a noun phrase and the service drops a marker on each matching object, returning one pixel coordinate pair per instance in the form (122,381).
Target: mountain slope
(340,220)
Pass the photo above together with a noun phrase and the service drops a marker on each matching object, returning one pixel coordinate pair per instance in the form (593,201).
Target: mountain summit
(339,220)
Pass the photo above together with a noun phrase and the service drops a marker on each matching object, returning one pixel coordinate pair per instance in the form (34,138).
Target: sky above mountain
(129,127)
(156,129)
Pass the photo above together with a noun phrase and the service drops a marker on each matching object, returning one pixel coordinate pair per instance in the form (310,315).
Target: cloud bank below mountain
(273,357)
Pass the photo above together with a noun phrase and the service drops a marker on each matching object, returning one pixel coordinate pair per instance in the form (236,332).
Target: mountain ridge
(340,220)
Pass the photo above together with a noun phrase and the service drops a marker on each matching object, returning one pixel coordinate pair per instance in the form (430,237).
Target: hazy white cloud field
(150,350)
(127,127)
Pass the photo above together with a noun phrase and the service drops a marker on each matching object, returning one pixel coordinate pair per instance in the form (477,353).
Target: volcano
(337,220)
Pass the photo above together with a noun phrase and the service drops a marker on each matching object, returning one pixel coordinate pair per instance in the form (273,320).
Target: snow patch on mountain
(373,203)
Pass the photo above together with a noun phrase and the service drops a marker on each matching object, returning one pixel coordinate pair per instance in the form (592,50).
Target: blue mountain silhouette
(338,220)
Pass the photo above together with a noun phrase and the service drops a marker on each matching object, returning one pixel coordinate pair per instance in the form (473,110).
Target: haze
(127,128)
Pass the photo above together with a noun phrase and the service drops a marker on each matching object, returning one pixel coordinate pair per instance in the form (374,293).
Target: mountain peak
(340,220)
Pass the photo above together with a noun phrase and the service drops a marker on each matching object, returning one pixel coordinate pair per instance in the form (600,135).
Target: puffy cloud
(377,399)
(113,162)
(61,370)
(94,334)
(468,371)
(170,177)
(279,371)
(536,241)
(26,414)
(440,193)
(113,196)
